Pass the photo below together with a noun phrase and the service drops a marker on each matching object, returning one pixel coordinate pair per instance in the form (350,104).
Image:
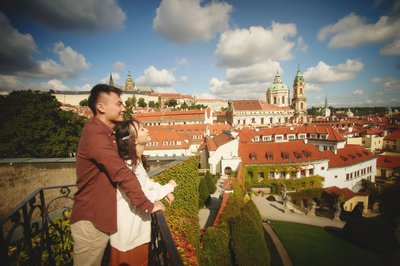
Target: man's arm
(105,154)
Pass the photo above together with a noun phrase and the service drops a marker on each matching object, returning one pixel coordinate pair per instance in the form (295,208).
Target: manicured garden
(311,245)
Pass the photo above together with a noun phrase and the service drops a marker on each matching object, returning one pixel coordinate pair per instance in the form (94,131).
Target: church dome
(278,85)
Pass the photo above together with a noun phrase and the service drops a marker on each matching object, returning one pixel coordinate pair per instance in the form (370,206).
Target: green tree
(157,105)
(374,194)
(171,103)
(210,182)
(141,102)
(215,248)
(152,104)
(251,209)
(204,194)
(390,203)
(84,102)
(33,125)
(248,243)
(184,105)
(130,103)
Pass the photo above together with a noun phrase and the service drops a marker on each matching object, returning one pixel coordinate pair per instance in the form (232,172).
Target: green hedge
(182,215)
(215,248)
(251,209)
(251,178)
(248,243)
(204,194)
(210,182)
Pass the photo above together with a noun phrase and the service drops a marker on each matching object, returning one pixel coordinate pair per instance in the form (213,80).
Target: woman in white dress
(130,244)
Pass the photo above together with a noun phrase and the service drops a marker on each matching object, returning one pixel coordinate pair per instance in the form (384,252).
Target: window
(285,155)
(262,120)
(260,176)
(279,137)
(290,137)
(172,143)
(148,144)
(306,153)
(253,120)
(194,137)
(272,174)
(297,155)
(155,144)
(302,136)
(347,176)
(271,120)
(165,143)
(313,136)
(303,173)
(269,156)
(253,156)
(283,99)
(322,168)
(256,138)
(266,138)
(250,173)
(311,171)
(178,142)
(383,173)
(293,174)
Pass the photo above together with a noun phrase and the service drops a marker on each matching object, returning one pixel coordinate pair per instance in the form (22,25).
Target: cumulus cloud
(16,49)
(223,89)
(156,78)
(183,79)
(205,95)
(165,90)
(392,84)
(262,72)
(358,93)
(66,15)
(392,49)
(119,66)
(310,87)
(243,47)
(10,82)
(182,62)
(72,63)
(354,31)
(187,21)
(301,45)
(324,73)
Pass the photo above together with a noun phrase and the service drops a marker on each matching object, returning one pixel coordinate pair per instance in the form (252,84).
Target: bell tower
(299,101)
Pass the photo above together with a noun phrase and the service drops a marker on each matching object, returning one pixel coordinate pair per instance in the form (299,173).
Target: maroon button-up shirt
(99,169)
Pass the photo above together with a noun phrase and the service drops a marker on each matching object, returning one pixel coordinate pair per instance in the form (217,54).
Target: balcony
(37,232)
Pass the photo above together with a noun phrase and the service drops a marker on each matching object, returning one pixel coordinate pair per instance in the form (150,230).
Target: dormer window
(306,153)
(269,155)
(285,155)
(253,156)
(266,138)
(297,155)
(302,136)
(256,138)
(291,136)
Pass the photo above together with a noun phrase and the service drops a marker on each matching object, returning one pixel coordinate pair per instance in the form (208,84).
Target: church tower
(327,111)
(278,92)
(111,81)
(299,101)
(129,83)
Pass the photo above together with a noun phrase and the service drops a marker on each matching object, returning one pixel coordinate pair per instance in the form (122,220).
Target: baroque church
(278,109)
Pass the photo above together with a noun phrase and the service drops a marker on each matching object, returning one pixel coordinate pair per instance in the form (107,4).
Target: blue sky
(347,50)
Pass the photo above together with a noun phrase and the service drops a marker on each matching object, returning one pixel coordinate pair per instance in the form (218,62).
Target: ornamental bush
(204,194)
(251,209)
(215,248)
(247,242)
(210,182)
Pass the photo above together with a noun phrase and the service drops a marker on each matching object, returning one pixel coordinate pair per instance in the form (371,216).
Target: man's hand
(158,206)
(169,198)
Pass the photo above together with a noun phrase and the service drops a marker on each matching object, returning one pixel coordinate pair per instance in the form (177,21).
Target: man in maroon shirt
(99,169)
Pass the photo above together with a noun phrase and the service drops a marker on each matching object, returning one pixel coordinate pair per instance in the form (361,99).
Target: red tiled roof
(349,155)
(394,136)
(172,115)
(254,105)
(284,152)
(161,136)
(214,143)
(345,192)
(388,161)
(247,135)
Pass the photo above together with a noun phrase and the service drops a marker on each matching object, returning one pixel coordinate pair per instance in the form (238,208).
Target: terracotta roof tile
(393,136)
(349,155)
(345,192)
(388,161)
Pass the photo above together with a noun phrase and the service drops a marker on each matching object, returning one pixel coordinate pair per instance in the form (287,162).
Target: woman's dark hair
(126,143)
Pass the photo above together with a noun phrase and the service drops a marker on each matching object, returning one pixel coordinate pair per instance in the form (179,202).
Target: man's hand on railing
(158,206)
(169,198)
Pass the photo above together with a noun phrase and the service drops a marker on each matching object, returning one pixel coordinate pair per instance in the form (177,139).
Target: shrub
(203,192)
(232,209)
(210,182)
(251,209)
(215,248)
(248,243)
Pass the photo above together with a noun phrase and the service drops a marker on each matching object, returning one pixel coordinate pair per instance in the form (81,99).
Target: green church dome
(278,85)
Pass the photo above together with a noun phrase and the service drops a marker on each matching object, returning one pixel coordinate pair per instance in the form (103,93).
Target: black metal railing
(37,231)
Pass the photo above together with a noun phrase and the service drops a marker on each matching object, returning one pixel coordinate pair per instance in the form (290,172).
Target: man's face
(110,105)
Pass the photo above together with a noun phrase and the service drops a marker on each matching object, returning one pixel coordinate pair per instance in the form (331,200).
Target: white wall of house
(350,176)
(227,150)
(168,152)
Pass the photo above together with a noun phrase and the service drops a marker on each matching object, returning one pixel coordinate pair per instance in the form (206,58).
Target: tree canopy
(33,125)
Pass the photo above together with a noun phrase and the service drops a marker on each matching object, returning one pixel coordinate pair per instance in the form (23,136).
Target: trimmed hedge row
(182,215)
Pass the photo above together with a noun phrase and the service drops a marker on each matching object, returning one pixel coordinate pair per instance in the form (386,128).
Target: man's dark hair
(96,91)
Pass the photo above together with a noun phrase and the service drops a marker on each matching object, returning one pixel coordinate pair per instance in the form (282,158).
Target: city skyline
(347,50)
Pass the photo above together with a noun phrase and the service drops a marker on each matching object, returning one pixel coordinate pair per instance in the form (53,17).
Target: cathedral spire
(111,81)
(326,101)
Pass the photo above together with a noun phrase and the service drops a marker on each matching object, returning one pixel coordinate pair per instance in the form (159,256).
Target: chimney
(305,141)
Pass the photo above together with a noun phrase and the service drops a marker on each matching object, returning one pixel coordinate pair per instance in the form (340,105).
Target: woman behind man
(130,244)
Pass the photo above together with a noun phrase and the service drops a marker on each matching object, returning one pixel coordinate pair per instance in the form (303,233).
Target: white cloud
(243,47)
(66,15)
(10,82)
(86,87)
(187,21)
(72,63)
(182,62)
(323,73)
(392,49)
(358,93)
(223,89)
(301,45)
(310,87)
(392,84)
(354,31)
(205,95)
(262,72)
(156,78)
(115,76)
(183,79)
(164,90)
(55,84)
(119,66)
